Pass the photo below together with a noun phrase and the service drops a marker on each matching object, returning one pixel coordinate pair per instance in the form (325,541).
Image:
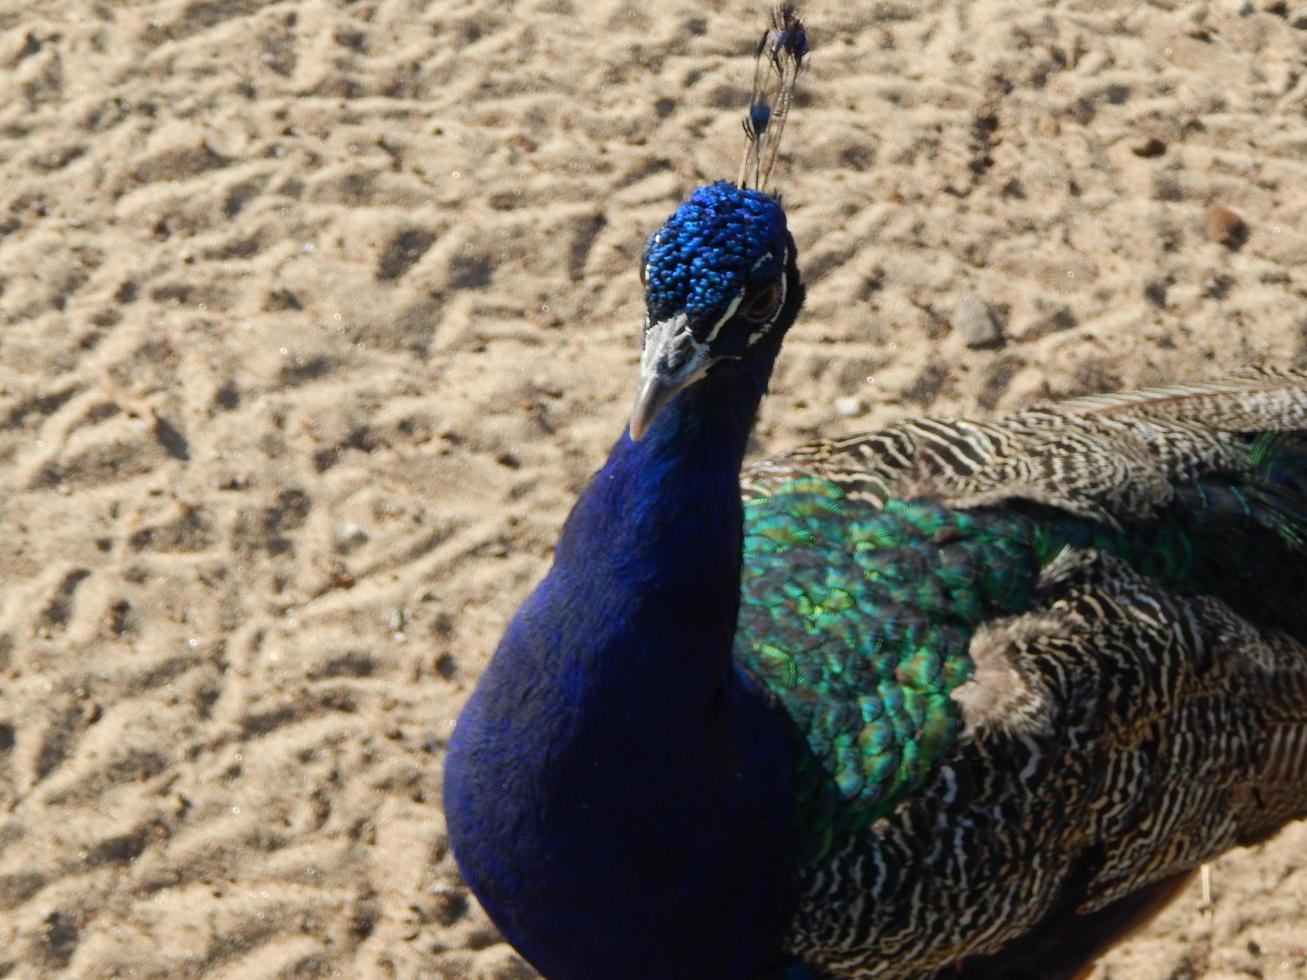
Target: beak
(650,398)
(673,360)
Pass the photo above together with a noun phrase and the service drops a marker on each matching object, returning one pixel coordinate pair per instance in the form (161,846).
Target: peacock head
(720,278)
(716,279)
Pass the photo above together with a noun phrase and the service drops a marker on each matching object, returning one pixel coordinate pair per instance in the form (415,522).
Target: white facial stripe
(730,312)
(761,332)
(735,304)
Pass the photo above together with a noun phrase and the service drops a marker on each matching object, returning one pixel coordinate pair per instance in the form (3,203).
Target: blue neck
(617,793)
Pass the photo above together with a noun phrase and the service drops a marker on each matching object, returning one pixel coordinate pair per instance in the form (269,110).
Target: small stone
(349,536)
(975,322)
(396,619)
(1150,147)
(850,406)
(1224,227)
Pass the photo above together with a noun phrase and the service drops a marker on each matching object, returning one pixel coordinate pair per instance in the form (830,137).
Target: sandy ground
(314,317)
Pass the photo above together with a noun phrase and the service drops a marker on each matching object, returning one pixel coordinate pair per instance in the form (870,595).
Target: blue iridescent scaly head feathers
(721,245)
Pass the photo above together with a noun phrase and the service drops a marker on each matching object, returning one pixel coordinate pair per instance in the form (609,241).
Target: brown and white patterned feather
(1110,457)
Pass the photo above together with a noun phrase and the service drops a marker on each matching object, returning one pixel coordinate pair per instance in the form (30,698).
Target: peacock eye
(762,305)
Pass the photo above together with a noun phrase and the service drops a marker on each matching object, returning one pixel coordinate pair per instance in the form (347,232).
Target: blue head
(721,283)
(720,287)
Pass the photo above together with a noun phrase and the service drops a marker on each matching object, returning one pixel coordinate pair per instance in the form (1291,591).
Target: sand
(315,316)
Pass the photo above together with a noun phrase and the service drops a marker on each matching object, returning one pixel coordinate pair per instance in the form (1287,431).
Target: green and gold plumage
(858,619)
(1113,544)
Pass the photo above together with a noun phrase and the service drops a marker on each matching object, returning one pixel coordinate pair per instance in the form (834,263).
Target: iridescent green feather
(859,619)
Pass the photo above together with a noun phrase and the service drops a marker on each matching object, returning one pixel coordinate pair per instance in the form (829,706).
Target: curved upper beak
(673,359)
(651,397)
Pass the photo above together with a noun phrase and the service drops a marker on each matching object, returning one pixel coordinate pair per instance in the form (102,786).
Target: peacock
(953,698)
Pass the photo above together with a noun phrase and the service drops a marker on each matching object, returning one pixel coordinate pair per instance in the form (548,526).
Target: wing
(858,621)
(878,569)
(1114,736)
